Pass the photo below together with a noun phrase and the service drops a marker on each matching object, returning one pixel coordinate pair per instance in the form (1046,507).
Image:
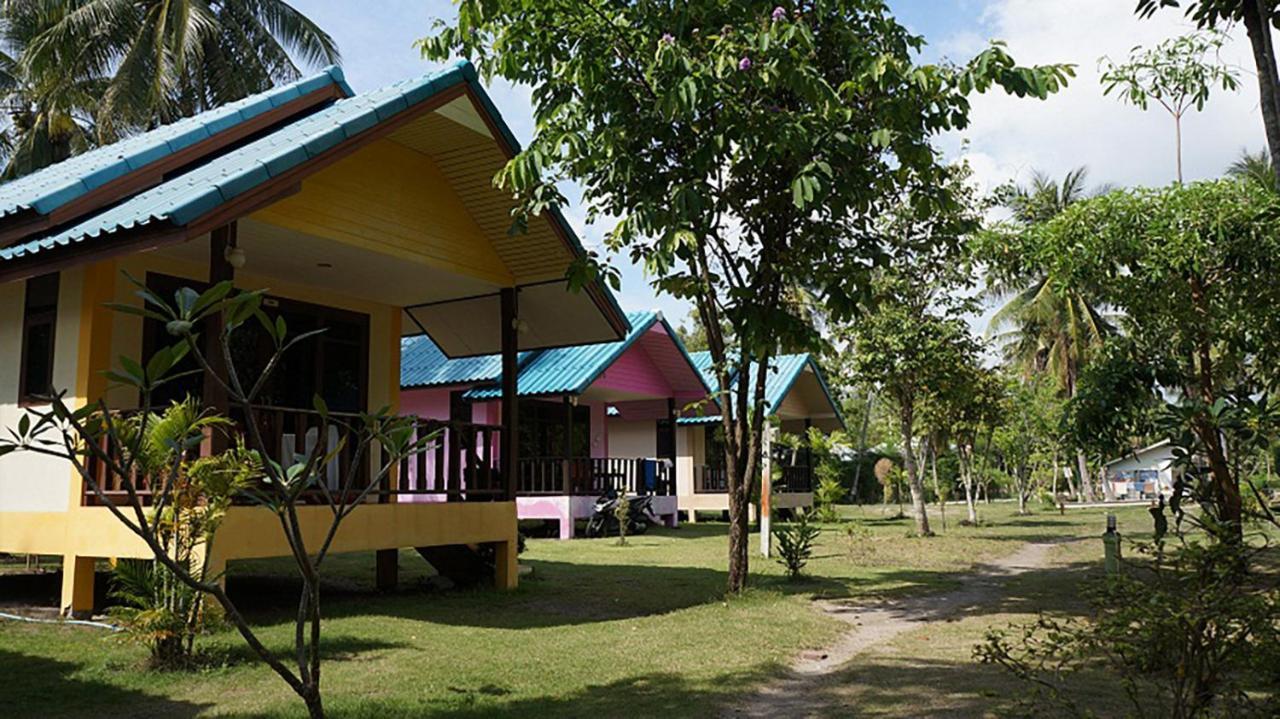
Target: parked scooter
(604,518)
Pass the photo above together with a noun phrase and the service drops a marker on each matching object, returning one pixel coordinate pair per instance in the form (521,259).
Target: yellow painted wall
(254,532)
(393,200)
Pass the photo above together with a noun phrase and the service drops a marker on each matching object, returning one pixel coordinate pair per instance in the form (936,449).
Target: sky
(1008,138)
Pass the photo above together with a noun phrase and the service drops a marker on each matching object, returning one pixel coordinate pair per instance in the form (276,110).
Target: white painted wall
(690,452)
(636,439)
(29,482)
(1158,458)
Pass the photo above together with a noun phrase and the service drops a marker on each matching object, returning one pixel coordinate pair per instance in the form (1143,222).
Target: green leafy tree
(909,351)
(1177,74)
(747,150)
(972,406)
(1192,271)
(1258,17)
(1043,327)
(1026,443)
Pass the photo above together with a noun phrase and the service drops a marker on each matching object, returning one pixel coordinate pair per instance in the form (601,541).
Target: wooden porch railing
(459,465)
(713,480)
(593,476)
(710,480)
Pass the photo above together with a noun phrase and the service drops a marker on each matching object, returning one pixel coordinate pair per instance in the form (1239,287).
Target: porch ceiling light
(235,257)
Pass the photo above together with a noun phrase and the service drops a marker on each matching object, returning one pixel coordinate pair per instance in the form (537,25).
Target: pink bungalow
(598,417)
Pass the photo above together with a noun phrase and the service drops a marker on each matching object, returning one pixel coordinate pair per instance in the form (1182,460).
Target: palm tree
(1043,328)
(1254,167)
(155,61)
(50,117)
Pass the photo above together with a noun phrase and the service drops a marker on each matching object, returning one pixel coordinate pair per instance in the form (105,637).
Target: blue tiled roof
(422,364)
(189,196)
(570,370)
(782,376)
(49,188)
(565,370)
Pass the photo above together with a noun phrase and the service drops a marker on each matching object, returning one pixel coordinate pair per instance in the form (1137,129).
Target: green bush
(825,497)
(795,543)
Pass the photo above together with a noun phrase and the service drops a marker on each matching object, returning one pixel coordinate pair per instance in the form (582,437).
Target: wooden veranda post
(509,310)
(568,445)
(221,241)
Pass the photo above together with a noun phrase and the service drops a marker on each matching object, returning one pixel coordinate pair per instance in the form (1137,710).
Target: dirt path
(794,693)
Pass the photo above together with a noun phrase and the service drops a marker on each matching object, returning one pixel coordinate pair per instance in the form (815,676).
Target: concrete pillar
(506,569)
(77,586)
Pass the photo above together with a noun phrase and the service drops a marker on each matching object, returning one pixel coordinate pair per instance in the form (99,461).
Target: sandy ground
(795,693)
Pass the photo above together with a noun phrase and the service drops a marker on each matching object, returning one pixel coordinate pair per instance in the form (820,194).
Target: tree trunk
(739,533)
(1264,58)
(750,430)
(315,708)
(967,477)
(937,486)
(1082,471)
(918,507)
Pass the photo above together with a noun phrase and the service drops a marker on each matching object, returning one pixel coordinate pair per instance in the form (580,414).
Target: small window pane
(38,377)
(40,317)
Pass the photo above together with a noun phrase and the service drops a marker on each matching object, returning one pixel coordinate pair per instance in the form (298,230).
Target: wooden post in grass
(766,488)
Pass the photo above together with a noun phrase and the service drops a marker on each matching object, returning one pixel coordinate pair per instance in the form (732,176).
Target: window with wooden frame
(39,325)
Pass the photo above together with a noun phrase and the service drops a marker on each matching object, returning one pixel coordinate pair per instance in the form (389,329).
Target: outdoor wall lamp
(234,257)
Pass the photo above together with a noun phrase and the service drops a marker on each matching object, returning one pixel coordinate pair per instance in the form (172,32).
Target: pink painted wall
(635,372)
(599,431)
(426,403)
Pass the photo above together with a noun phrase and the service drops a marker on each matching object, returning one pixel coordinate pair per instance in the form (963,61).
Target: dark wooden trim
(29,222)
(510,462)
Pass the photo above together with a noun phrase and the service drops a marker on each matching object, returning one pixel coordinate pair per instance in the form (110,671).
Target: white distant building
(1144,473)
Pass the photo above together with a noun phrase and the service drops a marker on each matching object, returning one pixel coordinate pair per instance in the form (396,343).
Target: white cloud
(1079,126)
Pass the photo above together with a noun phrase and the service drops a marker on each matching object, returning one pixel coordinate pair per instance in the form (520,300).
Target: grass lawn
(597,630)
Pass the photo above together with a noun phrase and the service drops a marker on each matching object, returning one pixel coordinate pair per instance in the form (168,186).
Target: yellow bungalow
(373,216)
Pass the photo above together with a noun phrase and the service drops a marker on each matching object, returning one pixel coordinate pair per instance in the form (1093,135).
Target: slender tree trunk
(862,449)
(918,506)
(1086,482)
(1228,500)
(937,486)
(969,483)
(1177,131)
(1264,58)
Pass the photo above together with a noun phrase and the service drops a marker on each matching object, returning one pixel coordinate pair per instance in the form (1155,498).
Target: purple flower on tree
(667,38)
(779,14)
(744,64)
